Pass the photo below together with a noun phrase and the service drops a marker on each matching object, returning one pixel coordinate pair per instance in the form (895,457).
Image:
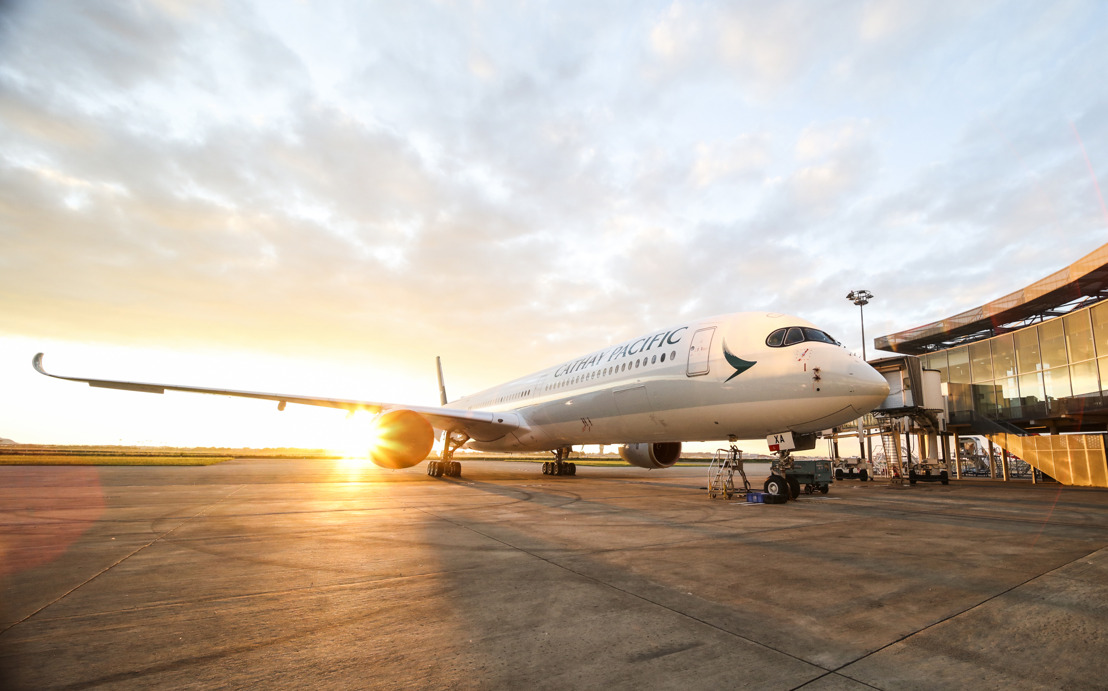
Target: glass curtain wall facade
(1053,367)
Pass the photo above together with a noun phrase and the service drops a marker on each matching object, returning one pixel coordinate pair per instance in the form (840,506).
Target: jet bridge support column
(957,457)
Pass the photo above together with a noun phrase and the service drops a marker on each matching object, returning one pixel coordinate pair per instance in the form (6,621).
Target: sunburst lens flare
(352,439)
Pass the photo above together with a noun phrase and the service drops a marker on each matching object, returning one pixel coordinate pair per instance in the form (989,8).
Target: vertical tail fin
(442,386)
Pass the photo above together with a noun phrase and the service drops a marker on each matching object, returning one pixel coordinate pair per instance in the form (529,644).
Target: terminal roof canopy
(1079,284)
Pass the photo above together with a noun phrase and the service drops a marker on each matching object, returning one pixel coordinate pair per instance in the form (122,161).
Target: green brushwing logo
(737,362)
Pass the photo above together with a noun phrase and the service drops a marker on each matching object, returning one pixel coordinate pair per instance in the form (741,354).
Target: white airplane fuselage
(712,379)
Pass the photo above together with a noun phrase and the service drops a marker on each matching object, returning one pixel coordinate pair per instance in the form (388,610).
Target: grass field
(139,455)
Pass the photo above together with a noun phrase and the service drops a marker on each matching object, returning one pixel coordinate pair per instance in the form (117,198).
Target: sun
(356,438)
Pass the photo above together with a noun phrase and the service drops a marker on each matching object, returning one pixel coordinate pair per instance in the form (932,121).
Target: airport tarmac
(328,574)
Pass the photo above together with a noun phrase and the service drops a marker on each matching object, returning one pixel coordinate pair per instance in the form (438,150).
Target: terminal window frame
(792,335)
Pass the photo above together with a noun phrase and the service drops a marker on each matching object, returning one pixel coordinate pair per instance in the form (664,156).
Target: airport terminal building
(1029,371)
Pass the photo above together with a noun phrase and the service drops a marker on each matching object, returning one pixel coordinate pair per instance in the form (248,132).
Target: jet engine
(402,438)
(650,456)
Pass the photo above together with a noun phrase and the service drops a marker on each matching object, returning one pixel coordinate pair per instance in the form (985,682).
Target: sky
(320,197)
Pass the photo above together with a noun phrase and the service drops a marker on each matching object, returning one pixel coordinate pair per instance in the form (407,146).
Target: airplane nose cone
(870,388)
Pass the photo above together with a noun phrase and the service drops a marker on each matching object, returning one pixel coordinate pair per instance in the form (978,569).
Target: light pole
(861,298)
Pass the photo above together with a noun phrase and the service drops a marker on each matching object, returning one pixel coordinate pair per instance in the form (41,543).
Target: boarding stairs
(721,473)
(890,444)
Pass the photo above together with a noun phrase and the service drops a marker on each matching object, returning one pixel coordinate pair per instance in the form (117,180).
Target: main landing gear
(560,466)
(447,466)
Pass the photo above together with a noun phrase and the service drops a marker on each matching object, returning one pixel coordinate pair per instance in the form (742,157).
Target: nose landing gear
(780,483)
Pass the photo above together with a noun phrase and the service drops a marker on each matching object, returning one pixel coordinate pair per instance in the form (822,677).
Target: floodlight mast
(861,298)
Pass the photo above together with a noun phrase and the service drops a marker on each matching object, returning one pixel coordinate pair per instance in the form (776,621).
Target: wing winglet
(100,383)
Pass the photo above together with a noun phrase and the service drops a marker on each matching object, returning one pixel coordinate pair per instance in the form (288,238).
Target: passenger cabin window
(791,335)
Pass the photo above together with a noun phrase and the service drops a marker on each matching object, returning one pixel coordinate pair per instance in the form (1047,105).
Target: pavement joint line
(93,577)
(835,674)
(955,615)
(347,585)
(637,596)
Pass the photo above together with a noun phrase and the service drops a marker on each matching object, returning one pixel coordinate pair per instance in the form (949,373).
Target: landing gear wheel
(776,485)
(863,474)
(447,465)
(560,466)
(794,486)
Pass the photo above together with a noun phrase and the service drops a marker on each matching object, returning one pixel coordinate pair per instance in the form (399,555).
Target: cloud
(383,179)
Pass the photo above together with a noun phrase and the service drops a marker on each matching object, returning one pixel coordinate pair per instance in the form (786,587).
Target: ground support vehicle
(788,474)
(814,475)
(851,468)
(928,472)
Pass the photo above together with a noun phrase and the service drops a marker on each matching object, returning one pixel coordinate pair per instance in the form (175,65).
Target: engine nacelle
(650,456)
(402,438)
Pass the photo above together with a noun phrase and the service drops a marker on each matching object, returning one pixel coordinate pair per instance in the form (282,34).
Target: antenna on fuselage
(442,386)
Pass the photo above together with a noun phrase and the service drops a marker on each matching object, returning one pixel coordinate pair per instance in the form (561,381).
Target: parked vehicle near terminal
(852,468)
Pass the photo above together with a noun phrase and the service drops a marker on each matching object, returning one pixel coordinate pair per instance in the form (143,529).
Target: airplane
(738,376)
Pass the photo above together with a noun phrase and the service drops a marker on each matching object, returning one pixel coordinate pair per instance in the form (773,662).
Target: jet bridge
(914,407)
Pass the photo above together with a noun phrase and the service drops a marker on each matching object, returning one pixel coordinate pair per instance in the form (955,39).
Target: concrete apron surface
(321,573)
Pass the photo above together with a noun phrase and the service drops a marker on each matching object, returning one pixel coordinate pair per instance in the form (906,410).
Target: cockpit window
(819,336)
(791,335)
(795,335)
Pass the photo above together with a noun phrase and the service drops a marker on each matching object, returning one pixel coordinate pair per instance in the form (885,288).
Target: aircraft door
(699,351)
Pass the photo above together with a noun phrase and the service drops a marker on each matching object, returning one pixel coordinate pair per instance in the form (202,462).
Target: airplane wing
(477,424)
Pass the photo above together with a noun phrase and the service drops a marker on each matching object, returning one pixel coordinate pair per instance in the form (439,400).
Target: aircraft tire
(776,486)
(794,487)
(572,468)
(546,468)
